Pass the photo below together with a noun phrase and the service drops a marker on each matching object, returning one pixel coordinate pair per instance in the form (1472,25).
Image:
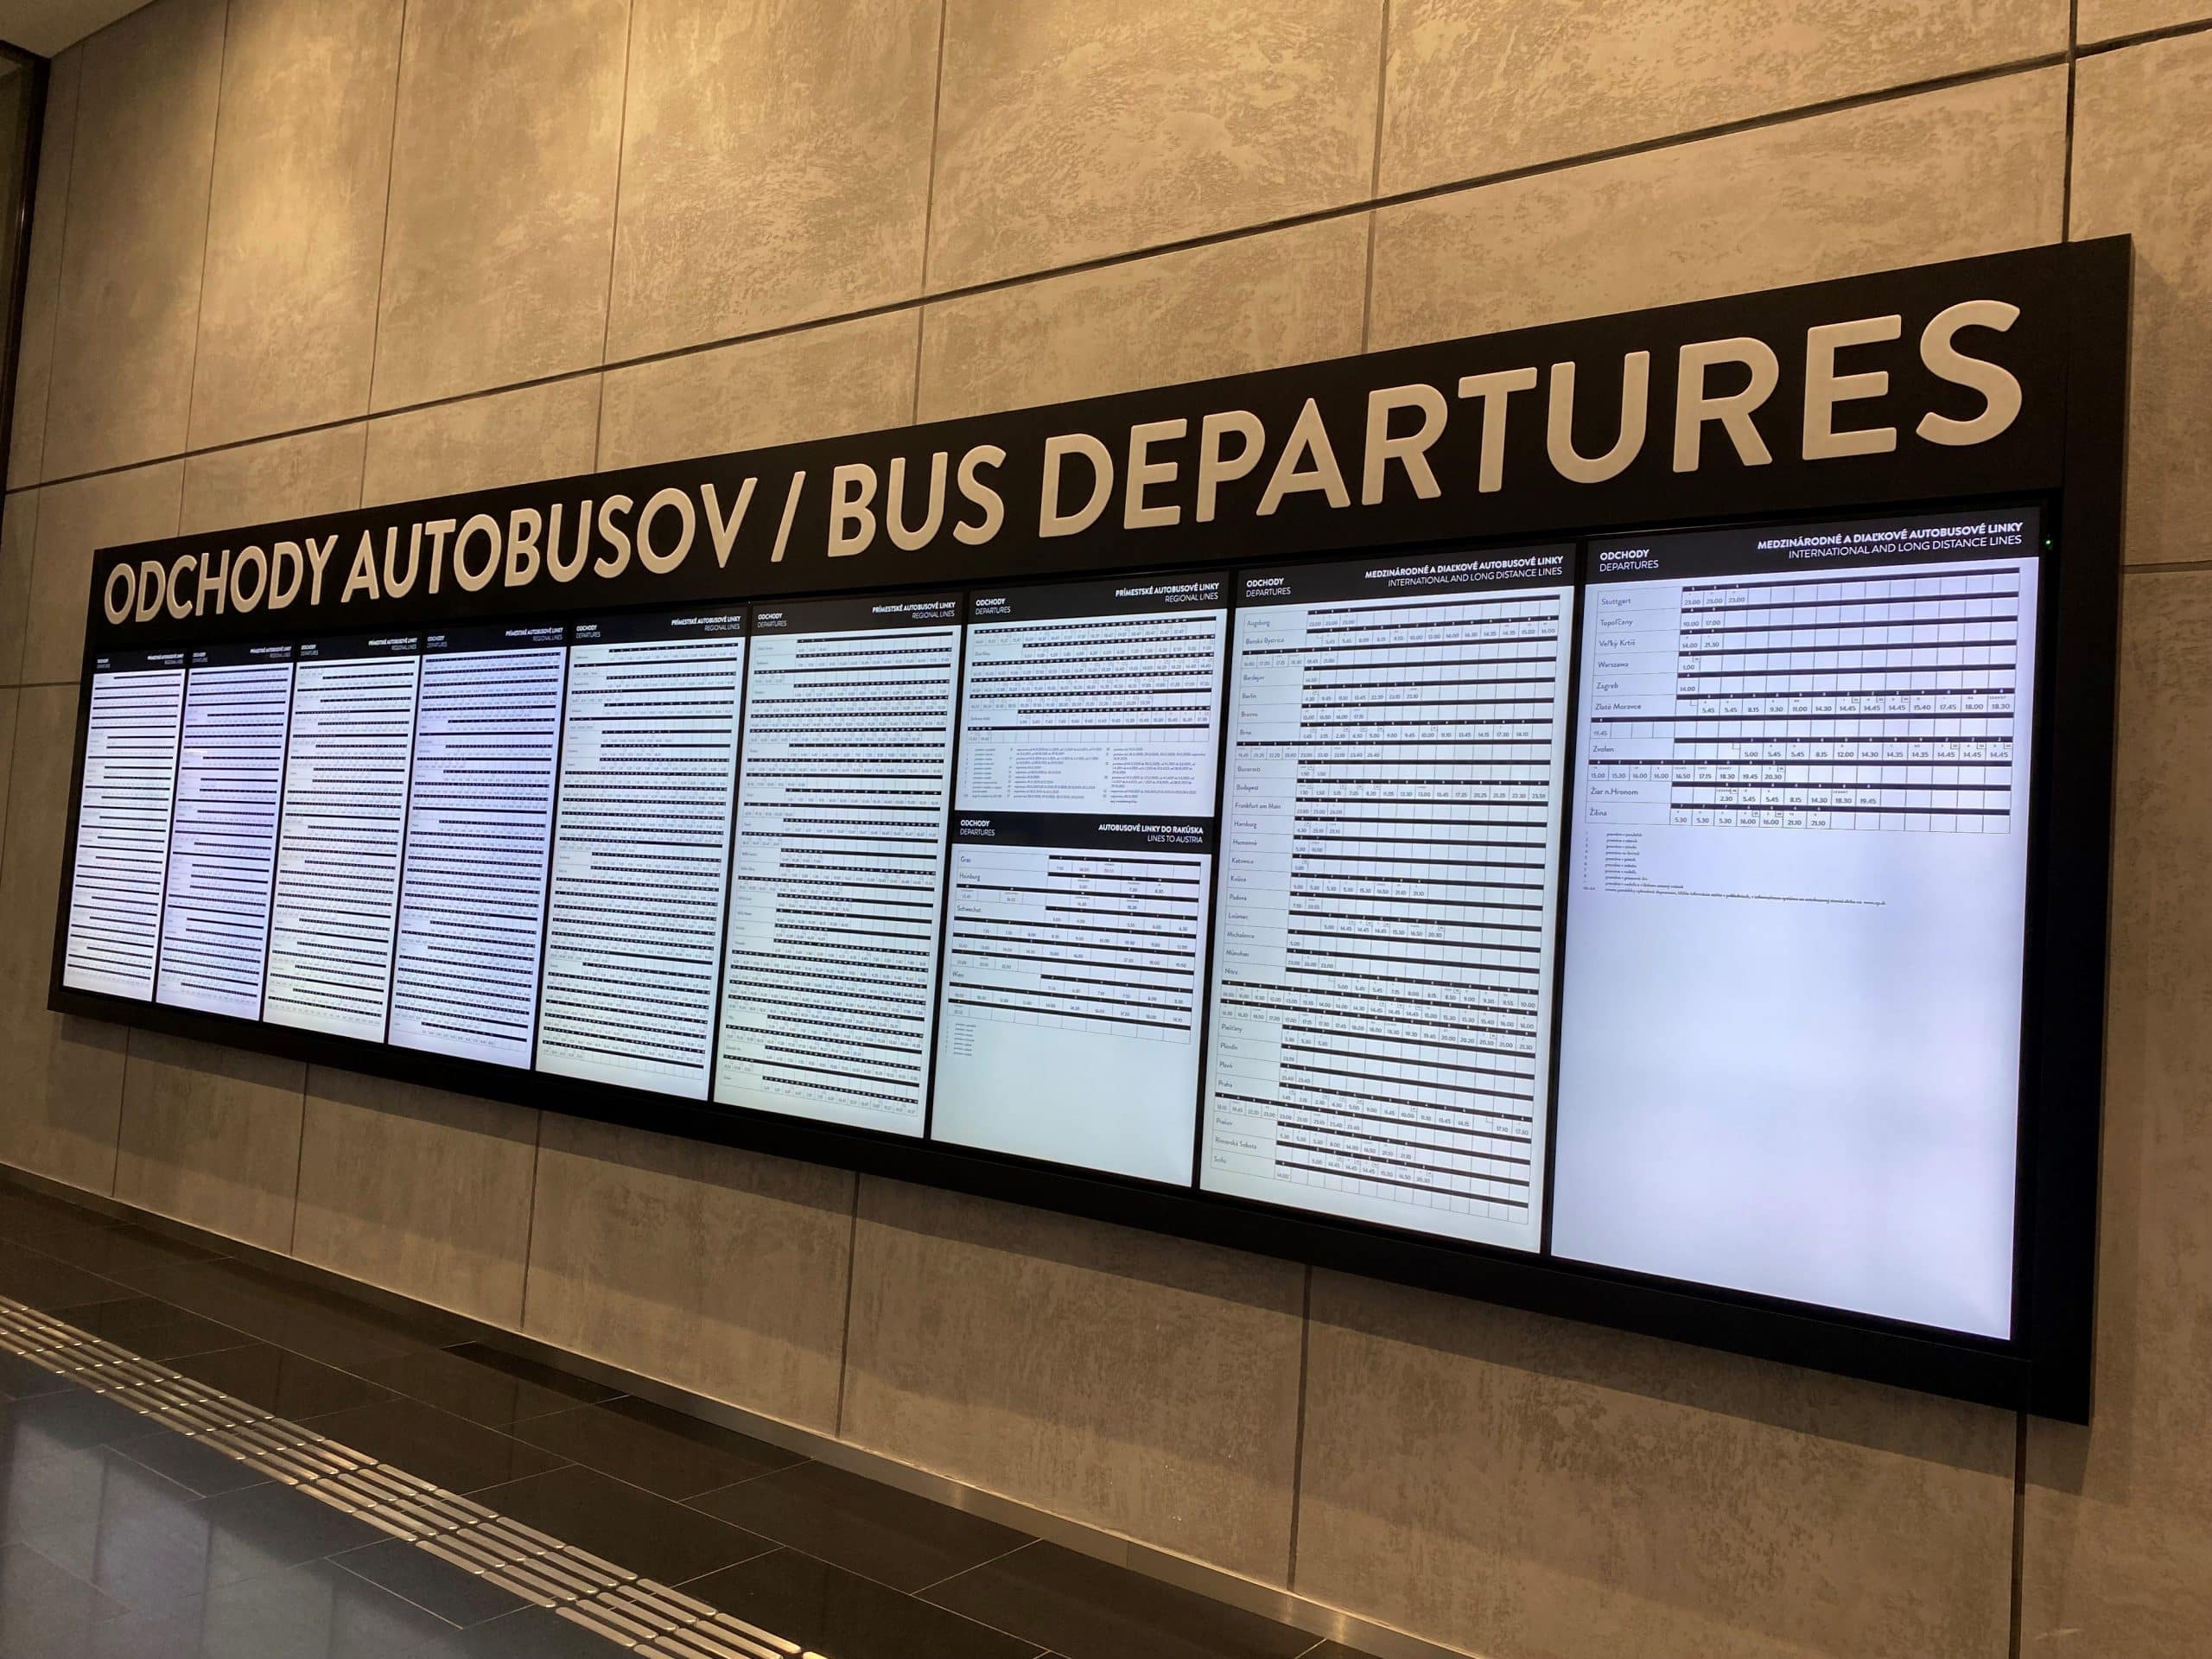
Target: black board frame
(2066,456)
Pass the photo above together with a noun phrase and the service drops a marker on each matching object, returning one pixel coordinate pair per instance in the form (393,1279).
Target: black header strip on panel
(1807,549)
(858,616)
(358,647)
(1055,601)
(1070,832)
(1429,575)
(137,662)
(640,628)
(494,637)
(241,655)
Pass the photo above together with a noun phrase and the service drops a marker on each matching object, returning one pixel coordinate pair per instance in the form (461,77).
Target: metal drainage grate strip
(599,1595)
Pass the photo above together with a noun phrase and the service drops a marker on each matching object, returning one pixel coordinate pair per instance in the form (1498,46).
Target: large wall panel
(1972,170)
(775,165)
(74,520)
(211,1137)
(2116,1556)
(1527,1486)
(1140,1383)
(719,1270)
(1256,302)
(1478,87)
(503,180)
(418,1191)
(296,226)
(1069,131)
(136,238)
(2138,169)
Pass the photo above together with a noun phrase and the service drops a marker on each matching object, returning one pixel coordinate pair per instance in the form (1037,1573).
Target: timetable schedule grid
(123,823)
(836,890)
(1880,700)
(641,850)
(222,852)
(1382,1000)
(339,830)
(479,823)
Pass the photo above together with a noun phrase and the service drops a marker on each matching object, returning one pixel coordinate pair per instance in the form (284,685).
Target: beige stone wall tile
(211,1137)
(1254,303)
(74,521)
(418,1191)
(9,700)
(1136,1382)
(1524,1486)
(1069,131)
(42,269)
(2140,168)
(1476,87)
(2106,20)
(135,235)
(296,222)
(718,1270)
(2117,1546)
(63,1092)
(503,182)
(775,168)
(18,541)
(510,437)
(848,376)
(282,478)
(1973,170)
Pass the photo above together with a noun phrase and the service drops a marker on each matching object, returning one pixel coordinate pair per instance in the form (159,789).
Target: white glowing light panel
(1381,1027)
(123,823)
(339,835)
(238,702)
(479,822)
(836,894)
(1082,849)
(1796,913)
(641,850)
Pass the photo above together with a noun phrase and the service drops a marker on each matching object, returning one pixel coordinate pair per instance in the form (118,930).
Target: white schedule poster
(479,823)
(123,823)
(1083,852)
(238,702)
(641,848)
(1796,913)
(340,832)
(1380,1038)
(837,886)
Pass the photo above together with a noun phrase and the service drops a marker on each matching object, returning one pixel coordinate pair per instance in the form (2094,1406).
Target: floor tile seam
(578,1562)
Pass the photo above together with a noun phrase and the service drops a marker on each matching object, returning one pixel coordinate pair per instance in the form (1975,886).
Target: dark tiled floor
(120,1539)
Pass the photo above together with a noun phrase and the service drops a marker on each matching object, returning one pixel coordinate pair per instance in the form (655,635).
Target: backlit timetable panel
(1082,873)
(641,848)
(339,835)
(238,702)
(479,822)
(837,889)
(1379,1039)
(1796,913)
(123,823)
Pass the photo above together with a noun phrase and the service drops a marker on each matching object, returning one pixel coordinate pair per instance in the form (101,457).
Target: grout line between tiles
(207,240)
(384,245)
(929,216)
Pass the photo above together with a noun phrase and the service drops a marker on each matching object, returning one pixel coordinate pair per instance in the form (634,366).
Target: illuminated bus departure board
(1612,818)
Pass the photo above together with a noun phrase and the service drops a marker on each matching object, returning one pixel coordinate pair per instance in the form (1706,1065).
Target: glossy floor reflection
(122,1539)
